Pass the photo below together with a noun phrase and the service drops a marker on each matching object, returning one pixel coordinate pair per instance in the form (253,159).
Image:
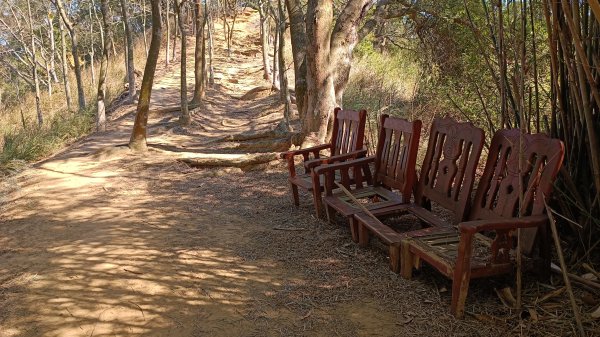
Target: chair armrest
(305,152)
(323,169)
(310,164)
(472,227)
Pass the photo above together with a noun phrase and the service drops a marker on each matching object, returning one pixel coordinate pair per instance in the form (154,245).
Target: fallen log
(242,161)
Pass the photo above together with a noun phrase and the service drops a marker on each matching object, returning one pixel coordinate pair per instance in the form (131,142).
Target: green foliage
(383,82)
(31,144)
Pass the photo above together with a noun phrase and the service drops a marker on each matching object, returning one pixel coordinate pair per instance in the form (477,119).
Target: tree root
(242,161)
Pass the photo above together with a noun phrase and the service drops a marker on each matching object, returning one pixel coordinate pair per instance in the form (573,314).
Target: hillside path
(97,242)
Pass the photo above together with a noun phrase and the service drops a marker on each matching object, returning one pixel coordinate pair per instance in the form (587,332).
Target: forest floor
(97,242)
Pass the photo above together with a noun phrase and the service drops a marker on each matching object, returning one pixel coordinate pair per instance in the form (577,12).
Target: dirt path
(116,244)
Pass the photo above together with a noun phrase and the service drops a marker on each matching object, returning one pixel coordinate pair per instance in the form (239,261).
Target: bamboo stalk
(563,267)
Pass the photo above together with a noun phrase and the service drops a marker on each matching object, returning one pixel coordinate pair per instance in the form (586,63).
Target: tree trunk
(92,70)
(264,40)
(275,81)
(175,32)
(129,43)
(320,90)
(138,135)
(210,26)
(284,92)
(144,26)
(343,41)
(167,60)
(185,113)
(101,98)
(199,81)
(298,39)
(52,49)
(75,50)
(38,108)
(65,68)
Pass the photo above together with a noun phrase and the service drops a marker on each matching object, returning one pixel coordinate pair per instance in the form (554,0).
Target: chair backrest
(348,131)
(396,153)
(536,159)
(448,170)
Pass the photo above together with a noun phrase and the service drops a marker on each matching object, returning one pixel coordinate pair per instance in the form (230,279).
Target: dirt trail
(118,244)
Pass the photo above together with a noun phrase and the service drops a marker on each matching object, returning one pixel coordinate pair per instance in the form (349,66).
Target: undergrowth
(23,141)
(27,145)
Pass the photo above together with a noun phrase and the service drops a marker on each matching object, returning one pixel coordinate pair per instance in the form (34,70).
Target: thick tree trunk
(129,43)
(320,90)
(199,79)
(185,113)
(65,68)
(138,135)
(75,51)
(101,97)
(38,108)
(343,41)
(298,39)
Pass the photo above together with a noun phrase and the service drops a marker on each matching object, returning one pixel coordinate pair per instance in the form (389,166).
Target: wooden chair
(506,199)
(394,169)
(447,177)
(346,143)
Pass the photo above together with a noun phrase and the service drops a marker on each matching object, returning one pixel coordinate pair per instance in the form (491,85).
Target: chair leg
(395,258)
(318,203)
(295,197)
(363,235)
(407,259)
(330,211)
(543,266)
(354,226)
(462,276)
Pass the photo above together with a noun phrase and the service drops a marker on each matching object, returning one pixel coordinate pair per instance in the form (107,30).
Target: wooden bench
(447,177)
(346,143)
(519,173)
(394,169)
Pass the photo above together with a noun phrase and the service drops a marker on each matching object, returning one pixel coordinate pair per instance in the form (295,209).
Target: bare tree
(185,113)
(284,92)
(264,39)
(65,68)
(137,141)
(74,49)
(101,98)
(199,57)
(168,47)
(129,43)
(38,108)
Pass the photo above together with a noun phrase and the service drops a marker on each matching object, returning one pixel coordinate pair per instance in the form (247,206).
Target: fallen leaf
(589,299)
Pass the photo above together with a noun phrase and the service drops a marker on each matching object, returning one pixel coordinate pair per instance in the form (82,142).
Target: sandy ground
(111,243)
